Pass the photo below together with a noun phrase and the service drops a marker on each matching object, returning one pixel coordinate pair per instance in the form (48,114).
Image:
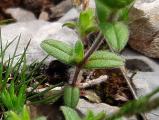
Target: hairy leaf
(70,114)
(70,24)
(104,59)
(117,4)
(58,49)
(78,52)
(71,96)
(116,34)
(86,22)
(91,116)
(102,11)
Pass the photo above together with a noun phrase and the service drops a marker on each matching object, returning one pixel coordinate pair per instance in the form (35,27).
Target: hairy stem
(92,49)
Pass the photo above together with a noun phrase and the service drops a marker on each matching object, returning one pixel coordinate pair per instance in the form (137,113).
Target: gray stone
(37,31)
(83,106)
(20,14)
(144,27)
(146,82)
(72,14)
(146,79)
(140,62)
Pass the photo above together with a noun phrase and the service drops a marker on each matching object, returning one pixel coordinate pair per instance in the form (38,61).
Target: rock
(83,106)
(146,79)
(60,9)
(37,31)
(146,82)
(20,14)
(139,62)
(144,27)
(72,14)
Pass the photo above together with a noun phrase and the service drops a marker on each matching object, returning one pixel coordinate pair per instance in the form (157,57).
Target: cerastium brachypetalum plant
(111,15)
(110,20)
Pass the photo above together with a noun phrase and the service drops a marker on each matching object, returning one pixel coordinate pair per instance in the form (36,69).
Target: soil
(35,6)
(114,91)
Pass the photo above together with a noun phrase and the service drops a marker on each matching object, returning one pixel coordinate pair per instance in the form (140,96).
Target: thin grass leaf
(11,63)
(25,114)
(13,116)
(43,92)
(12,93)
(6,99)
(20,62)
(48,100)
(21,97)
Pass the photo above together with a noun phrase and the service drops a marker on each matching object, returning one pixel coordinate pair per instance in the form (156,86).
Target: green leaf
(70,24)
(86,23)
(13,116)
(103,12)
(90,116)
(100,116)
(21,97)
(41,118)
(58,49)
(78,52)
(117,4)
(104,59)
(25,114)
(124,14)
(71,96)
(70,114)
(116,34)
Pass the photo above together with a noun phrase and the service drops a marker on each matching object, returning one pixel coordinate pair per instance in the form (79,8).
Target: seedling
(109,23)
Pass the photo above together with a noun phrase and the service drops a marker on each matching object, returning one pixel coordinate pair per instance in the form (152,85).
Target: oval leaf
(116,34)
(70,114)
(86,22)
(78,52)
(71,96)
(117,4)
(104,59)
(58,49)
(102,11)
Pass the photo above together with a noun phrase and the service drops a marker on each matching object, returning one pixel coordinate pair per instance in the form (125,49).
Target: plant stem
(122,69)
(92,49)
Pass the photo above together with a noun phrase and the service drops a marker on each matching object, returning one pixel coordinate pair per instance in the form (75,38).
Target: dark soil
(35,6)
(114,91)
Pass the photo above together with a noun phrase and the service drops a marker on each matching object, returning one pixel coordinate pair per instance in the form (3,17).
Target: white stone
(37,31)
(84,106)
(70,15)
(20,14)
